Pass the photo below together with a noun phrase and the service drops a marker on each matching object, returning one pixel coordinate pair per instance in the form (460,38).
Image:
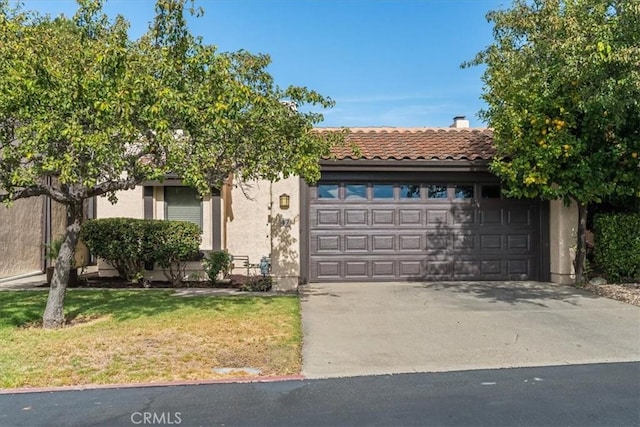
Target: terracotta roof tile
(418,143)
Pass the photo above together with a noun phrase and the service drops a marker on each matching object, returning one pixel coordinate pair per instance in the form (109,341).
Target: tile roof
(417,143)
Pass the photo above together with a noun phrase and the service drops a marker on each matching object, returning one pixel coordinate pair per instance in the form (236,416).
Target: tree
(85,112)
(562,85)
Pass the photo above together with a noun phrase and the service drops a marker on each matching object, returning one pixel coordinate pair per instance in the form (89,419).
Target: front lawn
(145,336)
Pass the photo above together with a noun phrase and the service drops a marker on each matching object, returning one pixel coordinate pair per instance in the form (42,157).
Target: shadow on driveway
(513,292)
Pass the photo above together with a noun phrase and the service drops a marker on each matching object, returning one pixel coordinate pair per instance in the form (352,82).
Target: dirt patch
(69,322)
(625,292)
(92,280)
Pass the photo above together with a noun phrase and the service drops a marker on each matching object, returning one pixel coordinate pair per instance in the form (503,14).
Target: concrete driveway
(382,328)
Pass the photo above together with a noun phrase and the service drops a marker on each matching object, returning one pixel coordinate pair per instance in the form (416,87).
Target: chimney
(460,122)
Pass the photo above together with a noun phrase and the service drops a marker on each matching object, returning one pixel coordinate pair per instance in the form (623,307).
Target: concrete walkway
(32,281)
(383,328)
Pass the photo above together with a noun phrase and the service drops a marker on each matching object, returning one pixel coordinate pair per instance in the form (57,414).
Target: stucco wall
(21,237)
(285,226)
(248,230)
(563,222)
(256,227)
(130,205)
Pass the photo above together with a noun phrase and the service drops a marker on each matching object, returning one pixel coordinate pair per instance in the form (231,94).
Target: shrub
(257,284)
(128,243)
(217,263)
(171,245)
(617,245)
(119,241)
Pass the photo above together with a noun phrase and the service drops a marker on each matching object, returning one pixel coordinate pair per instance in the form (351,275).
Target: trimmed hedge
(617,245)
(128,243)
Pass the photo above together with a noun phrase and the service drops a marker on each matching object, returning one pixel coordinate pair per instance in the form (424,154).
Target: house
(417,204)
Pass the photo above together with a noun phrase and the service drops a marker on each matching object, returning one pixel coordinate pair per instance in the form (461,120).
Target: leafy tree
(562,85)
(85,111)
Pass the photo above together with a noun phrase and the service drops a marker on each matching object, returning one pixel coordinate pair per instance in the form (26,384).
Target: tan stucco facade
(256,226)
(23,234)
(563,222)
(253,225)
(21,237)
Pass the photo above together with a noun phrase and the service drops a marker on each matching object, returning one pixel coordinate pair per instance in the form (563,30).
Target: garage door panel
(463,216)
(518,217)
(466,269)
(410,243)
(438,269)
(519,242)
(383,217)
(464,242)
(355,269)
(384,268)
(356,243)
(355,217)
(410,268)
(327,217)
(410,217)
(437,217)
(327,269)
(378,239)
(326,243)
(490,242)
(517,268)
(437,242)
(491,267)
(491,216)
(383,243)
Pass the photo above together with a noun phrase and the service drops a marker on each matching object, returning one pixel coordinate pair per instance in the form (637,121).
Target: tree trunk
(54,312)
(581,247)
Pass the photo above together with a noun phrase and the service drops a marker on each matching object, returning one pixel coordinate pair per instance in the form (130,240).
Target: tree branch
(39,190)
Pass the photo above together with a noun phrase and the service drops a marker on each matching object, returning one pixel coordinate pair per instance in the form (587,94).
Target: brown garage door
(398,231)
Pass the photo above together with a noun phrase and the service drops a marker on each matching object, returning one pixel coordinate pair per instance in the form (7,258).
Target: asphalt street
(574,395)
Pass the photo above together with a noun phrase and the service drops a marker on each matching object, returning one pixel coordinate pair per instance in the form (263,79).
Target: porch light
(284,201)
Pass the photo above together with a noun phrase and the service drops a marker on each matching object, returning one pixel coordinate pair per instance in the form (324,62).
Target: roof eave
(405,165)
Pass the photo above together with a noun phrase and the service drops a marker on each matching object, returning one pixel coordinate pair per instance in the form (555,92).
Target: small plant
(52,249)
(216,264)
(257,284)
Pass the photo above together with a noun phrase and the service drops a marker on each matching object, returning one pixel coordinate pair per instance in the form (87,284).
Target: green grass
(145,336)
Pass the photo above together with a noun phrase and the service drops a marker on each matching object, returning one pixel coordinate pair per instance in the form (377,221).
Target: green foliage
(127,244)
(216,263)
(120,242)
(52,249)
(617,245)
(257,284)
(171,244)
(85,111)
(562,85)
(100,112)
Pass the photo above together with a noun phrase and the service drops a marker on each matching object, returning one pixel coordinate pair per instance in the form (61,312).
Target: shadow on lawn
(25,307)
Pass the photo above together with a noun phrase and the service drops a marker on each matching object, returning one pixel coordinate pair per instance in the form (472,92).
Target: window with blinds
(183,204)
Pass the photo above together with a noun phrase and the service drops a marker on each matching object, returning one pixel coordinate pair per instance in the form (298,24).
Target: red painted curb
(238,380)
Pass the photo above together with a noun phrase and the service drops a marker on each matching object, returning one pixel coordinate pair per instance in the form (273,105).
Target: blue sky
(384,62)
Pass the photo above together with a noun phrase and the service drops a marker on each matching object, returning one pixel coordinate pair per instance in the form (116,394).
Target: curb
(234,380)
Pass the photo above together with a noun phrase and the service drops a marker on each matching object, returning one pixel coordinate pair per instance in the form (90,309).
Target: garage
(428,216)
